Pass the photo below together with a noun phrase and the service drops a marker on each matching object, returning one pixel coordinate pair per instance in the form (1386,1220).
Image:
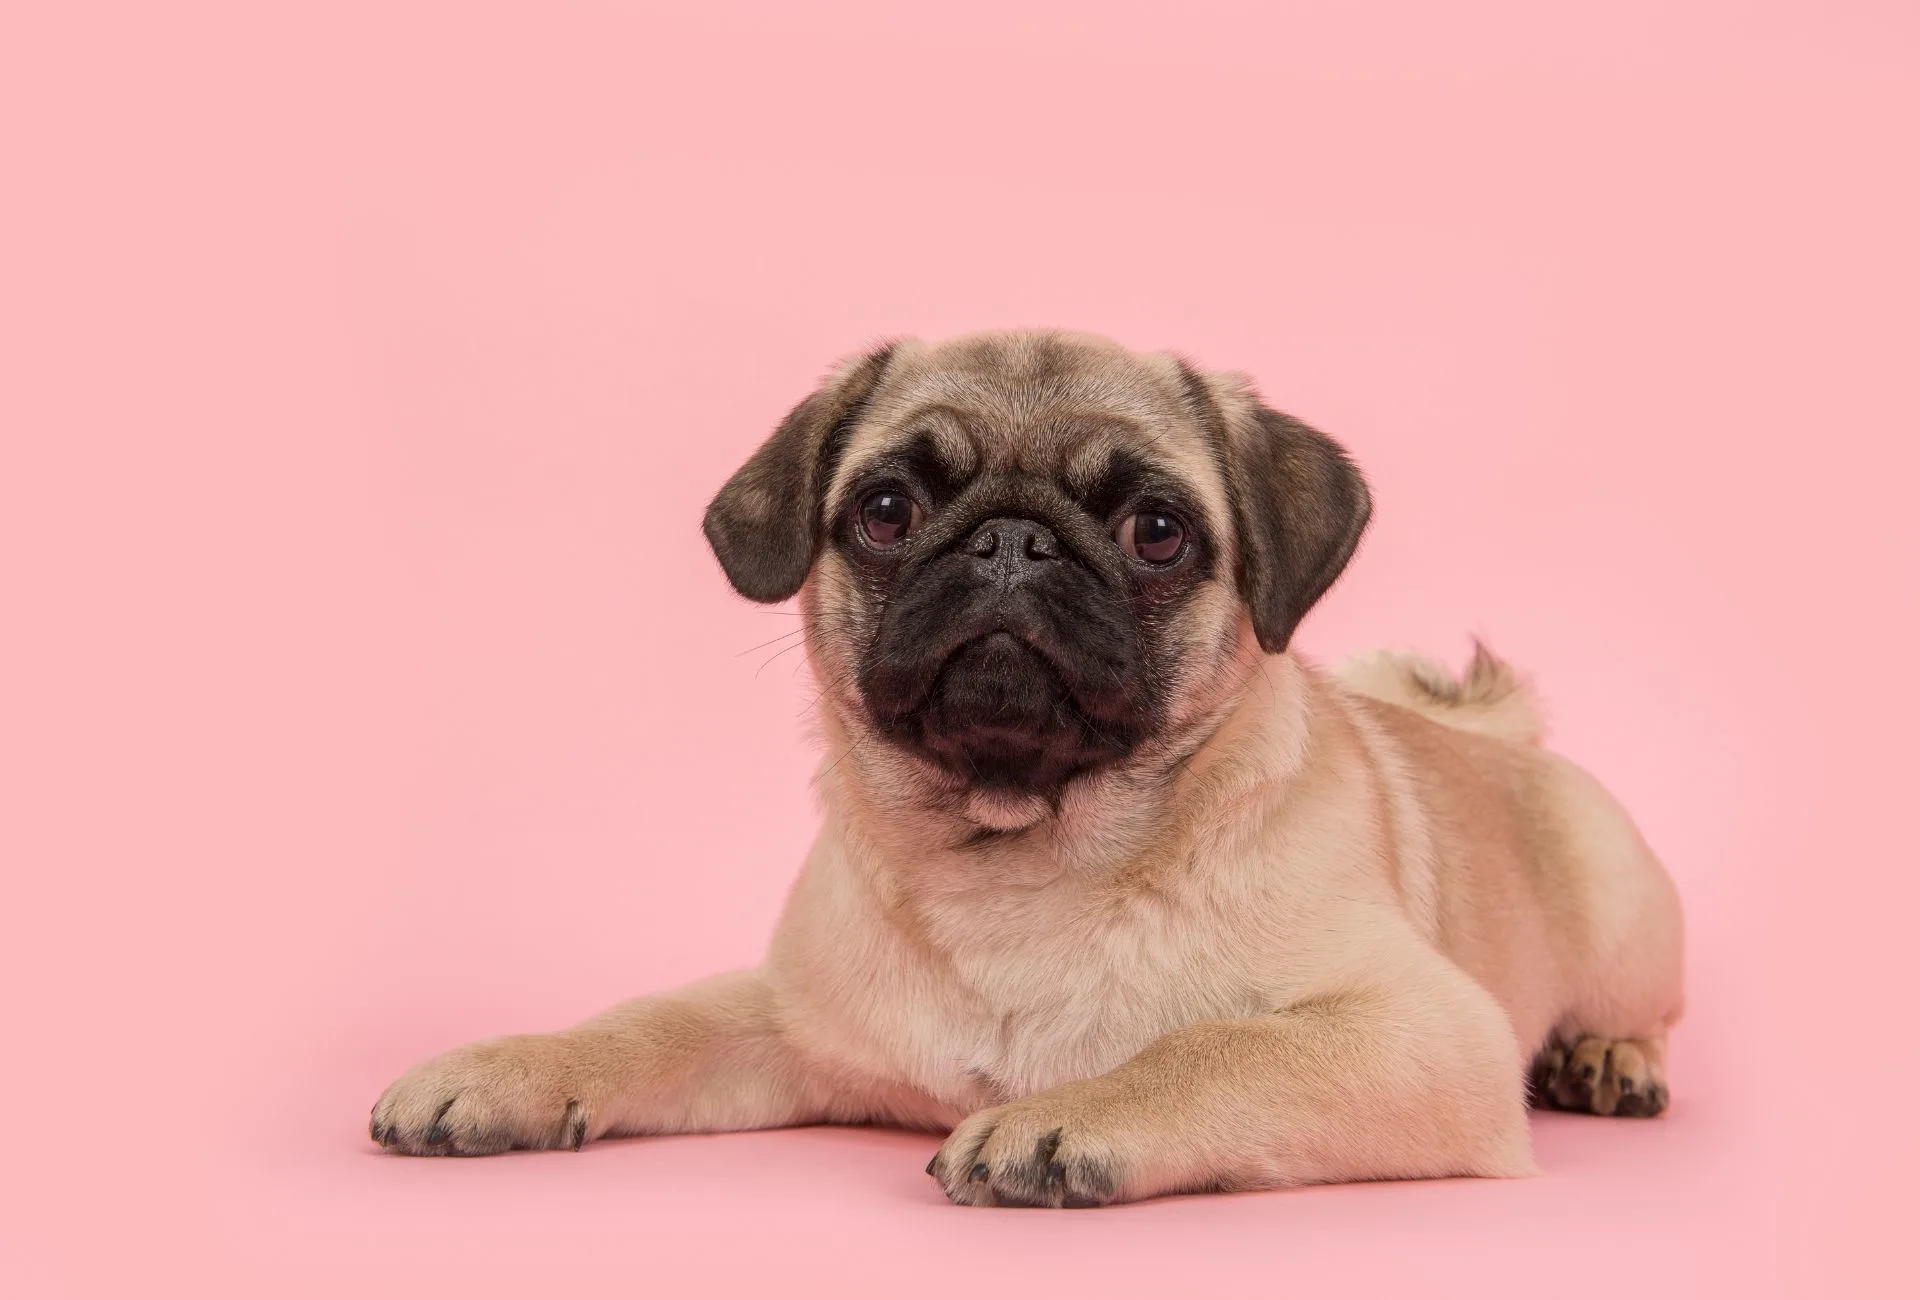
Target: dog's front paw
(1072,1146)
(499,1095)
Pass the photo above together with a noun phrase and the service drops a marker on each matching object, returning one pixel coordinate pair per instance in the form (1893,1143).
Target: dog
(1114,888)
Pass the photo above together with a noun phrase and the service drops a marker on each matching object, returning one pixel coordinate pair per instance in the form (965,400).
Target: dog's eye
(887,517)
(1151,536)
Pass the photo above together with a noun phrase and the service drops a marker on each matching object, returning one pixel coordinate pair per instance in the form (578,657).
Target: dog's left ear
(765,525)
(1299,505)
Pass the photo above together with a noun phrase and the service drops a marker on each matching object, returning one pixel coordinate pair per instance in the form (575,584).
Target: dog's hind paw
(1597,1075)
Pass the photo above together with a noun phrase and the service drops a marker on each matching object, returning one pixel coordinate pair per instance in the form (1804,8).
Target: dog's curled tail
(1490,697)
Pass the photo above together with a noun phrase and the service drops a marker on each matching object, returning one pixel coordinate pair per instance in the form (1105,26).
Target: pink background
(368,686)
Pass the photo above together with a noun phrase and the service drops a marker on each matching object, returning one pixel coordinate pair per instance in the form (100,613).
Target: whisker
(798,631)
(821,775)
(829,688)
(775,655)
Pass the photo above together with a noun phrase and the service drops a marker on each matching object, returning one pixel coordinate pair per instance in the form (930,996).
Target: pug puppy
(1113,887)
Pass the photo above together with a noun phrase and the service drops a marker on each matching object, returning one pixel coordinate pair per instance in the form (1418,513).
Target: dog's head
(1027,557)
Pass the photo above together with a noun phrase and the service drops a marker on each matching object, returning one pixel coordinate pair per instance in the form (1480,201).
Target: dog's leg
(1413,1076)
(709,1058)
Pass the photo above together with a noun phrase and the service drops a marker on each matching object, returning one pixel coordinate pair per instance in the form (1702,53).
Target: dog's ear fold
(765,525)
(1299,505)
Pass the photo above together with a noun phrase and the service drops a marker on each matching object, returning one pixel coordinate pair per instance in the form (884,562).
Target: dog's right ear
(765,526)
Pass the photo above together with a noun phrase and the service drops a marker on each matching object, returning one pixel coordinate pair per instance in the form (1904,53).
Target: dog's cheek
(842,615)
(1194,647)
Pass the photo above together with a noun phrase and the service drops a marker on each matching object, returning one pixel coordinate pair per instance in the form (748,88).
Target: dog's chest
(1036,988)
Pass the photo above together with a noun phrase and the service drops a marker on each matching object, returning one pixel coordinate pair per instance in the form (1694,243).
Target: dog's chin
(1006,811)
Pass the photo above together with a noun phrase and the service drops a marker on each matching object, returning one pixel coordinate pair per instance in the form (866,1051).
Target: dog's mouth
(1001,714)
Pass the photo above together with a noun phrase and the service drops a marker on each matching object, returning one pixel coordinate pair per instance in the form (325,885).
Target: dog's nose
(1013,550)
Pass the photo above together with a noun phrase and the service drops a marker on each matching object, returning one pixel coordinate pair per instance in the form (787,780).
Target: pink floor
(365,368)
(1677,1208)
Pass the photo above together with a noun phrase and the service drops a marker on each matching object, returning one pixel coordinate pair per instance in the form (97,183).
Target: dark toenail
(439,1131)
(977,1174)
(931,1163)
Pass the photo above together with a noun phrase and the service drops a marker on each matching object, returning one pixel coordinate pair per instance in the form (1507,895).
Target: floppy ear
(765,524)
(1299,506)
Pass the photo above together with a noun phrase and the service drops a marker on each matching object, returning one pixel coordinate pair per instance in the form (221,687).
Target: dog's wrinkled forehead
(1050,405)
